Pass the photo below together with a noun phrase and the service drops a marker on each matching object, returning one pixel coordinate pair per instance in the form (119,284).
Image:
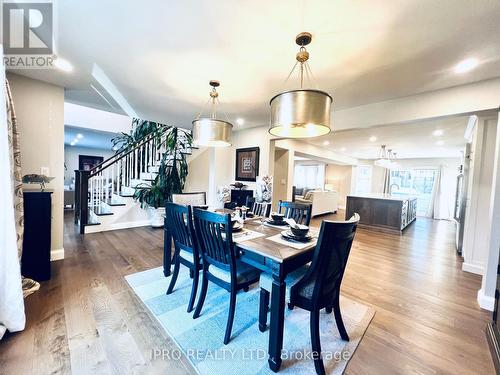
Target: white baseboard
(341,208)
(473,268)
(485,302)
(131,224)
(56,254)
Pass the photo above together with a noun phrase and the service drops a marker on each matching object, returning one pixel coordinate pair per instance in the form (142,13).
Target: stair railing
(109,177)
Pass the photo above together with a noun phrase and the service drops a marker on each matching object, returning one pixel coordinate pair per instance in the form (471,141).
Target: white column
(486,295)
(212,183)
(475,244)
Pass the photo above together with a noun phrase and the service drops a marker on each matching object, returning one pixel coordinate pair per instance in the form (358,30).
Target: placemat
(296,245)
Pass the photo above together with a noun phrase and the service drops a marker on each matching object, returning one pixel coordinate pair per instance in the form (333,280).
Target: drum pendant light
(210,131)
(301,113)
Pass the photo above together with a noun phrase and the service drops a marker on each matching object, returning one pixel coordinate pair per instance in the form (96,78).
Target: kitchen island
(382,212)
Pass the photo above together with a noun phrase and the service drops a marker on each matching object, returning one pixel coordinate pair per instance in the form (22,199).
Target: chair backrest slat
(180,223)
(214,234)
(258,208)
(300,212)
(330,259)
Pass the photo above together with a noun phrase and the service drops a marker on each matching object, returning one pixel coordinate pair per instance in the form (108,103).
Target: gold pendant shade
(301,113)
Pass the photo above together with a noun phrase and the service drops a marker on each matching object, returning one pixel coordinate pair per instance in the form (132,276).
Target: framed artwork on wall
(87,162)
(247,164)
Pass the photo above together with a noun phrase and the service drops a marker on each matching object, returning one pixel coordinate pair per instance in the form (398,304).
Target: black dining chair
(317,285)
(258,208)
(180,223)
(300,212)
(220,266)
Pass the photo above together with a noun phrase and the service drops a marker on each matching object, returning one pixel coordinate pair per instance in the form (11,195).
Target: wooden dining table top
(270,249)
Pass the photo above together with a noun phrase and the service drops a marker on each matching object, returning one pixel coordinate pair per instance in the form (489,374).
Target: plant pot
(156,215)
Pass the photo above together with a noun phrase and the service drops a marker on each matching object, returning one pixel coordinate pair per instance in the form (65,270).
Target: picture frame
(247,164)
(87,162)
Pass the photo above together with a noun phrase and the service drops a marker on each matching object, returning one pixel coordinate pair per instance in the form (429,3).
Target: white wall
(86,117)
(486,295)
(475,247)
(71,161)
(39,108)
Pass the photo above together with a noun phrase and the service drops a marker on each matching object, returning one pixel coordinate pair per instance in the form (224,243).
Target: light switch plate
(45,171)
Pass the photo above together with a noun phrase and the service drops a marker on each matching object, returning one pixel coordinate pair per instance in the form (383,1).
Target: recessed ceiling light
(439,143)
(373,138)
(63,64)
(466,65)
(72,143)
(343,149)
(326,143)
(79,136)
(437,133)
(75,140)
(240,121)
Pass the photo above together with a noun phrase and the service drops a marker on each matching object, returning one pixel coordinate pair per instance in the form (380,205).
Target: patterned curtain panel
(29,286)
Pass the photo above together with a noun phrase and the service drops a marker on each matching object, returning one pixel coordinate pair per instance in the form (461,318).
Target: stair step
(124,195)
(148,176)
(113,202)
(92,219)
(102,210)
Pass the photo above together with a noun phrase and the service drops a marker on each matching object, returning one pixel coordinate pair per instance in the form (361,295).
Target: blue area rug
(200,340)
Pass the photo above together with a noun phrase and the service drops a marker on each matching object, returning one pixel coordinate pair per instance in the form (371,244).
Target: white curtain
(309,176)
(12,315)
(443,194)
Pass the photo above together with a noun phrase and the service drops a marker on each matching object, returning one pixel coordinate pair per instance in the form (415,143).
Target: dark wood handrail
(113,159)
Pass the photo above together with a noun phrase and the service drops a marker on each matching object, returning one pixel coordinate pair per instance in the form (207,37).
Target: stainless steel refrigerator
(461,197)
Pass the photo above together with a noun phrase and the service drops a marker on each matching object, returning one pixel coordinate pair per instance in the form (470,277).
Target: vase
(156,215)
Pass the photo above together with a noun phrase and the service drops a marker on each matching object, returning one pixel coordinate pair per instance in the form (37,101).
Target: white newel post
(212,180)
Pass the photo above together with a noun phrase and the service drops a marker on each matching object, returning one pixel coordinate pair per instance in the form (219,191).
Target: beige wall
(281,176)
(340,176)
(197,179)
(223,161)
(39,109)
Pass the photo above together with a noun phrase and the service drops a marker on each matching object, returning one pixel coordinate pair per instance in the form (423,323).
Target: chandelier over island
(210,131)
(301,113)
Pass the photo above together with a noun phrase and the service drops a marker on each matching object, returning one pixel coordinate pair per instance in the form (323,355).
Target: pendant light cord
(213,101)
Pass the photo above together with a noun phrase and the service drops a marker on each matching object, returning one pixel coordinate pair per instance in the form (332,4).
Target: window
(417,182)
(309,176)
(364,179)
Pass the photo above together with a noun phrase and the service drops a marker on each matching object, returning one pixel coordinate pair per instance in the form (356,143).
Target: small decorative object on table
(239,185)
(224,194)
(37,179)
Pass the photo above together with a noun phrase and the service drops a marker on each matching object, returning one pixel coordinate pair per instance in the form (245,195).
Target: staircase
(104,195)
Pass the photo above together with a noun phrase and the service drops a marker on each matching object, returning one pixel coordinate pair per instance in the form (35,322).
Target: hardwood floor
(86,319)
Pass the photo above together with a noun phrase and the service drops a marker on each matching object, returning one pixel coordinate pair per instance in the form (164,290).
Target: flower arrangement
(224,194)
(264,190)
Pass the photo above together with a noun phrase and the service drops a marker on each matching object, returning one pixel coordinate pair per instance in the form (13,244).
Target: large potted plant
(172,174)
(152,198)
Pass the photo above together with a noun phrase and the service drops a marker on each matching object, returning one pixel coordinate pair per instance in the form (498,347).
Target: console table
(35,261)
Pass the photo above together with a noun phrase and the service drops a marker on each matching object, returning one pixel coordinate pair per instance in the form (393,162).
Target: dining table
(277,258)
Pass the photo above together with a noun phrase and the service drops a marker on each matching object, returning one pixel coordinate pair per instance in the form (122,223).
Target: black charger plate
(287,234)
(280,223)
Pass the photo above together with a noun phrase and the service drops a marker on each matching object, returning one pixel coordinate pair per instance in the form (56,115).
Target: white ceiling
(407,140)
(89,138)
(161,54)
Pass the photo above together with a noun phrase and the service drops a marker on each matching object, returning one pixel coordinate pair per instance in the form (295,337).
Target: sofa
(323,202)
